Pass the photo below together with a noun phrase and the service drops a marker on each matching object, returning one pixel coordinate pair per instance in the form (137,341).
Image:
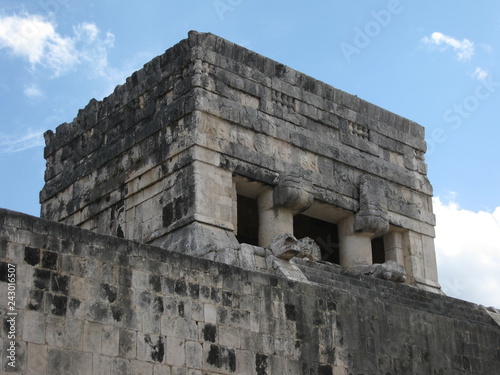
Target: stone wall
(88,303)
(163,159)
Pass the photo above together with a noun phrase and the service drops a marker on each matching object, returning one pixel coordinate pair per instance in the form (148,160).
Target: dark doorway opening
(378,250)
(324,233)
(248,220)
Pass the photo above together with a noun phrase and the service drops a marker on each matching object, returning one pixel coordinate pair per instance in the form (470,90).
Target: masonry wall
(93,304)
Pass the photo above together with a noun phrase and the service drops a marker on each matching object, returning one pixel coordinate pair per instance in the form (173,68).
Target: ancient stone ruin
(221,213)
(212,144)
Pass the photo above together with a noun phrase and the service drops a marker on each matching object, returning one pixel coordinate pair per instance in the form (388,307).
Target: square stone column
(394,247)
(355,248)
(273,220)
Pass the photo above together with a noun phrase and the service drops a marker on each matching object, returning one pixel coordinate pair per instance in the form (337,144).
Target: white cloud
(10,144)
(94,50)
(468,252)
(464,48)
(33,91)
(480,74)
(36,40)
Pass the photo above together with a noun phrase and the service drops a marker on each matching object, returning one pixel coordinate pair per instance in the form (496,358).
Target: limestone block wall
(87,303)
(122,159)
(126,166)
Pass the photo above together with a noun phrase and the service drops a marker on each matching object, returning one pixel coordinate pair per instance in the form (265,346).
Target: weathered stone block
(179,327)
(210,313)
(55,335)
(151,348)
(92,337)
(138,367)
(176,352)
(33,327)
(127,344)
(161,370)
(67,361)
(110,341)
(194,355)
(219,358)
(229,336)
(73,334)
(121,366)
(37,359)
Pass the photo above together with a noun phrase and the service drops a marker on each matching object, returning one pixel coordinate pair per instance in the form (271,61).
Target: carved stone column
(357,231)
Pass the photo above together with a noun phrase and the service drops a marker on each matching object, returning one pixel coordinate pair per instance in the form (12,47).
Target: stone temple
(212,144)
(221,213)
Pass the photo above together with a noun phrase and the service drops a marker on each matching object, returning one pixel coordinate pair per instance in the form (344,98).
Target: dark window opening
(248,220)
(324,233)
(378,250)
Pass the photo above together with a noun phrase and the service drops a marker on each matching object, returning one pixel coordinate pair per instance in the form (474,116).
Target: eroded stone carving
(286,247)
(372,216)
(359,130)
(292,192)
(285,101)
(389,270)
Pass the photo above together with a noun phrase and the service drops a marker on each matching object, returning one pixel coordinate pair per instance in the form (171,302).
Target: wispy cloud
(464,48)
(33,91)
(94,48)
(16,143)
(35,39)
(480,74)
(468,251)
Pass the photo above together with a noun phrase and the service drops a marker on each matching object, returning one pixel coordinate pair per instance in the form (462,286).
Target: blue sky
(436,63)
